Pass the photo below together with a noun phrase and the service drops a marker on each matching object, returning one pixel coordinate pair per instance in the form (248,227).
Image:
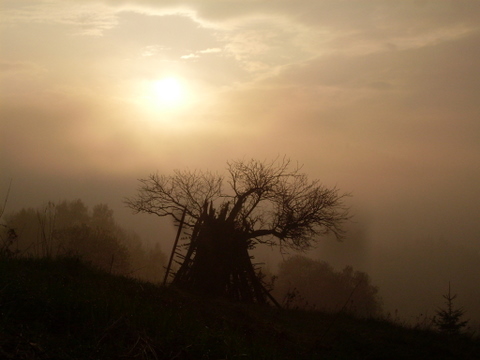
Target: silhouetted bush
(311,284)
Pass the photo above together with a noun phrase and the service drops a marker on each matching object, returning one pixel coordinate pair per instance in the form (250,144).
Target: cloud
(372,20)
(189,56)
(85,19)
(197,54)
(396,121)
(262,36)
(210,51)
(345,72)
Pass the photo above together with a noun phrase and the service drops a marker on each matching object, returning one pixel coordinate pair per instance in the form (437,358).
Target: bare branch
(170,195)
(272,202)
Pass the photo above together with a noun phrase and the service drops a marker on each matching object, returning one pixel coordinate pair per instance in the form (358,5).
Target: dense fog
(376,98)
(411,269)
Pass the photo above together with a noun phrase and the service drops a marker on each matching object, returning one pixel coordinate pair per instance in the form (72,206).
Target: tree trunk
(218,263)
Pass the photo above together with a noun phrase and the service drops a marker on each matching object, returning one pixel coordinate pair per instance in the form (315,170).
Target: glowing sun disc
(168,90)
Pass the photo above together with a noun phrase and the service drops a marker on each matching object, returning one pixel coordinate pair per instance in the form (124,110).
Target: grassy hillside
(63,309)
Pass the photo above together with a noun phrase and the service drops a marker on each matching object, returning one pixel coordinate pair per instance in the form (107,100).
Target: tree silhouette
(449,319)
(317,284)
(265,203)
(70,228)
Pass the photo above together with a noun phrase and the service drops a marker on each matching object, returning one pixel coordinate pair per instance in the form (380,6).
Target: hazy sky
(378,97)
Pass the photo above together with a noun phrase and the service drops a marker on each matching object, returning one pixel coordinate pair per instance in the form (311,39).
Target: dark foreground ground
(63,309)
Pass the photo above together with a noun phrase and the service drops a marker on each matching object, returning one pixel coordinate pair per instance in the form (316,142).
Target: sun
(164,99)
(167,92)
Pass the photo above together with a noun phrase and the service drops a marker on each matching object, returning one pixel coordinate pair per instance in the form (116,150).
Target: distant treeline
(314,284)
(69,228)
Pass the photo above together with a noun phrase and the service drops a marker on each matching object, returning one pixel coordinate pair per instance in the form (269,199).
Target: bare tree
(264,203)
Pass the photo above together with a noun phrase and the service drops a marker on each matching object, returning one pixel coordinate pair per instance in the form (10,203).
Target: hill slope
(63,309)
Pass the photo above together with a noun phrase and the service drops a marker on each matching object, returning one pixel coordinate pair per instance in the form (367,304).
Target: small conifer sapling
(449,320)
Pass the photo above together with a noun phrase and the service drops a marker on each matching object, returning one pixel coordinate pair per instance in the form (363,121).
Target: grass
(64,309)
